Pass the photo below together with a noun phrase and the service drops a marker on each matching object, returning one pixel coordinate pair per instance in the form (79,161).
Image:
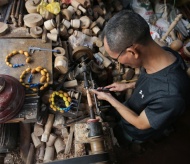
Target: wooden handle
(89,98)
(174,23)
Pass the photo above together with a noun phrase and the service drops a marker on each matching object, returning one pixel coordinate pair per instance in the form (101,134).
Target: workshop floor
(174,149)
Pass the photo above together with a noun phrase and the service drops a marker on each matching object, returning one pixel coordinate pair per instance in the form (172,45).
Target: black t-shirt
(162,95)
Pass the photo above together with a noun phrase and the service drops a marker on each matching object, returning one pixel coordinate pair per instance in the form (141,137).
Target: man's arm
(120,86)
(139,121)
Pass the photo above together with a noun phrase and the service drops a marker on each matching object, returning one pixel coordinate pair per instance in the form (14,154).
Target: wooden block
(70,84)
(81,133)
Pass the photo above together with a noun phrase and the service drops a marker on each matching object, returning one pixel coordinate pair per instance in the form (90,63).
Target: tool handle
(174,23)
(89,98)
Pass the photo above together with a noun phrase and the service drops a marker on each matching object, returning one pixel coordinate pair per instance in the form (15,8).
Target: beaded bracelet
(13,53)
(66,101)
(45,78)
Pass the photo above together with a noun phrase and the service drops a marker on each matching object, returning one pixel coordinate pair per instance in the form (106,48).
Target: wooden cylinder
(106,61)
(54,31)
(52,37)
(38,130)
(100,22)
(49,24)
(63,30)
(59,145)
(52,138)
(49,154)
(75,23)
(66,14)
(71,9)
(66,23)
(96,30)
(85,22)
(42,152)
(61,64)
(48,126)
(36,31)
(36,141)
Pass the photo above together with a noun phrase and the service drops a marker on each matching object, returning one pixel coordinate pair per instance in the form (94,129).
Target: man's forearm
(128,114)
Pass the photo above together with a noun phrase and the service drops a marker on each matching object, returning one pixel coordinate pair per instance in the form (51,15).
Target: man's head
(124,31)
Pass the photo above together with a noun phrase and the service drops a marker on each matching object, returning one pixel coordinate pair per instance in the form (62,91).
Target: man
(161,92)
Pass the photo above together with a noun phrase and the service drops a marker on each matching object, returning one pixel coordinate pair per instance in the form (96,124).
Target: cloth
(163,95)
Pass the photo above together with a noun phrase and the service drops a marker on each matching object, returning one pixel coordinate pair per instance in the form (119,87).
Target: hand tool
(32,49)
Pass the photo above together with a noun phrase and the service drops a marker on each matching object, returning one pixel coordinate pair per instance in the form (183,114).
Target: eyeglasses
(122,52)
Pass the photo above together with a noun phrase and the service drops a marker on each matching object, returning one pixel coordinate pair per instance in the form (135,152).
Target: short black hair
(124,29)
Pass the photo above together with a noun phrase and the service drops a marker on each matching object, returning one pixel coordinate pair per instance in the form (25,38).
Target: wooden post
(51,140)
(48,126)
(49,154)
(30,156)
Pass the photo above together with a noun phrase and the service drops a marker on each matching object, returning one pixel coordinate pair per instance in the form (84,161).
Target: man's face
(126,57)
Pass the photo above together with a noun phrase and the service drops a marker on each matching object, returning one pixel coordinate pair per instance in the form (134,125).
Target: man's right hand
(120,86)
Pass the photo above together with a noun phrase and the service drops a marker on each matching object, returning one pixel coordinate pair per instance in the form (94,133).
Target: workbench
(39,58)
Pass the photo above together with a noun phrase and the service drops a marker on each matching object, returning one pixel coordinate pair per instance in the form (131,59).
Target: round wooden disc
(81,51)
(36,31)
(33,19)
(3,28)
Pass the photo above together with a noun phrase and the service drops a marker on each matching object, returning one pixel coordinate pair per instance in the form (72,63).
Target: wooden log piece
(49,154)
(48,126)
(49,24)
(38,130)
(54,31)
(71,9)
(36,141)
(51,141)
(70,84)
(87,32)
(30,157)
(42,152)
(59,145)
(33,19)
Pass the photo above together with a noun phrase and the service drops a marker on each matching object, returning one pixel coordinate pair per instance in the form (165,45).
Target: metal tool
(32,49)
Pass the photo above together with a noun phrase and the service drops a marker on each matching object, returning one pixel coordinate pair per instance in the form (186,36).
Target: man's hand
(120,86)
(101,95)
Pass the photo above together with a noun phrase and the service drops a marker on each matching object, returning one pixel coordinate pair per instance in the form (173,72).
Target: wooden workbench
(40,58)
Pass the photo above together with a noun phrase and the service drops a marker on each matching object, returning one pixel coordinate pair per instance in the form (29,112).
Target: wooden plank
(40,58)
(69,141)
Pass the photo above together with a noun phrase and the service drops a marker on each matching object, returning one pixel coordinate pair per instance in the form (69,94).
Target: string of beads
(45,78)
(61,98)
(15,52)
